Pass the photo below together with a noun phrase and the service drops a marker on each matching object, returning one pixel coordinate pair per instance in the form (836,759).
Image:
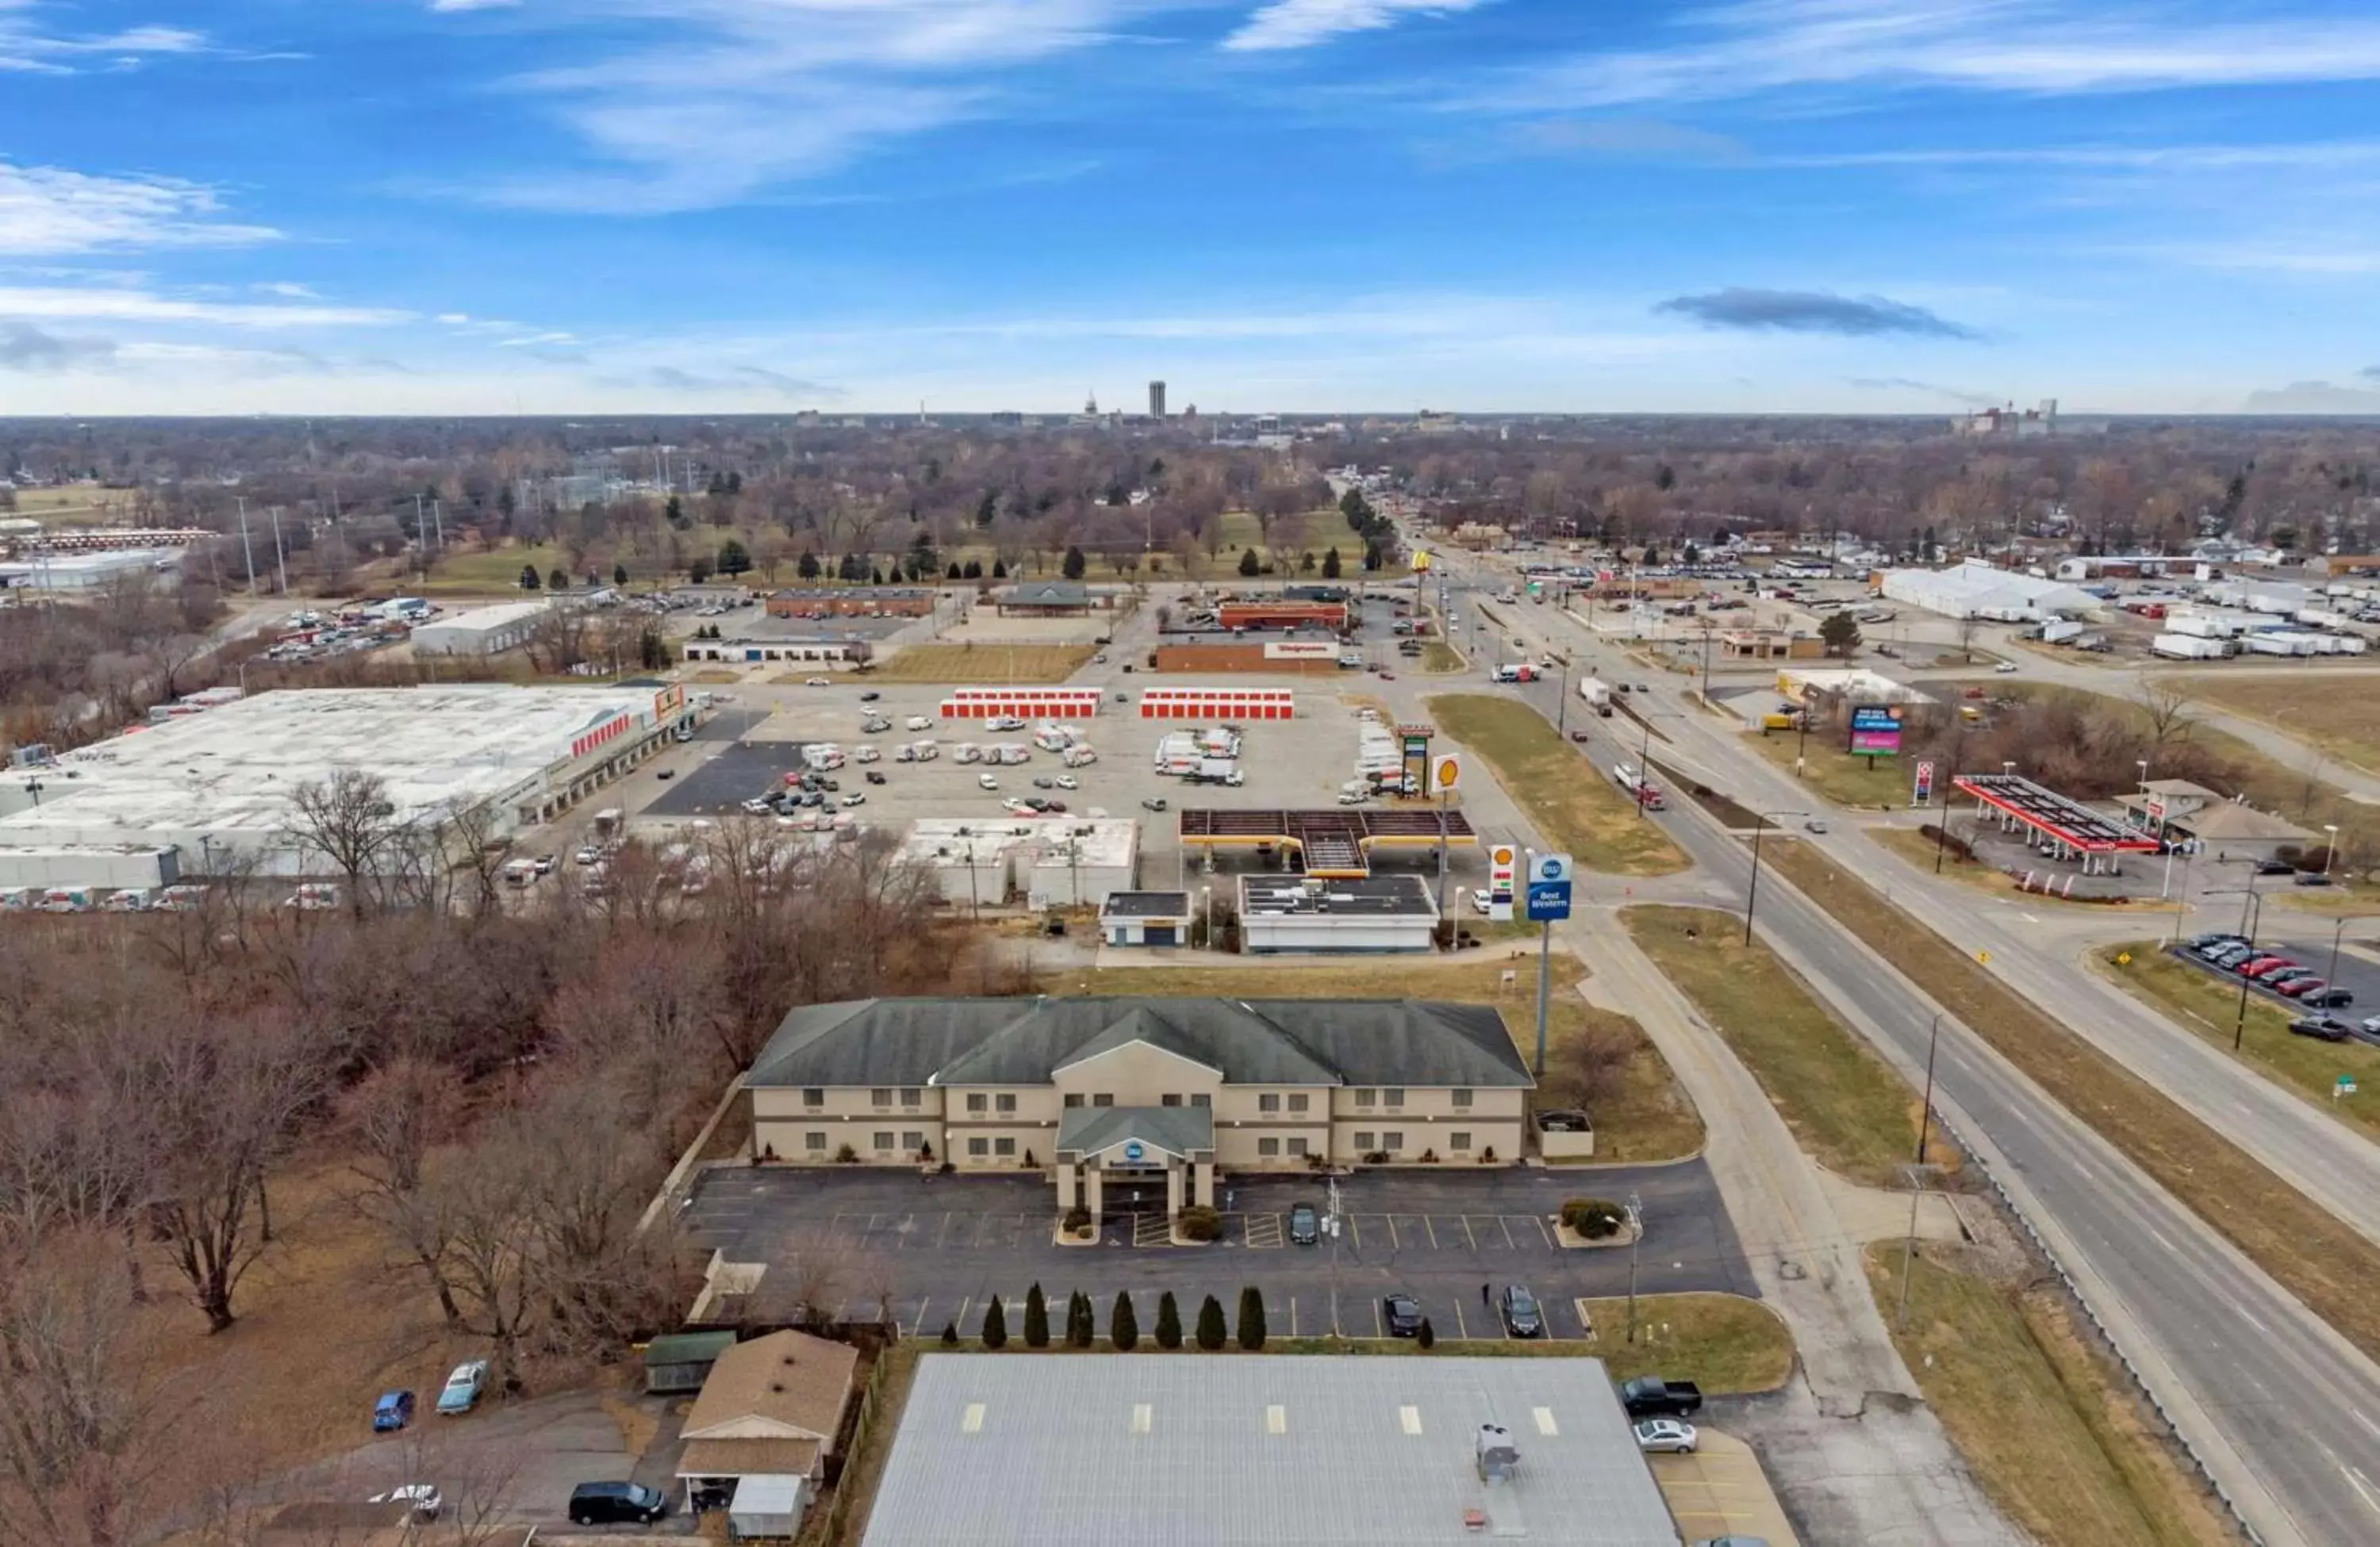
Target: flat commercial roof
(1145,904)
(1380,896)
(2045,811)
(1301,1450)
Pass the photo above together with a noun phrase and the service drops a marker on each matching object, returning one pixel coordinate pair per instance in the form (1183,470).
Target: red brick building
(853,601)
(1282,614)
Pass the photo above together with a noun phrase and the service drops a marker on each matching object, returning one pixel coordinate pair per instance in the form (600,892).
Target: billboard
(669,703)
(1876,730)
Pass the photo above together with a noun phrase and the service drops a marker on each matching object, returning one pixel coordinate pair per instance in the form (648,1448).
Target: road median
(2314,1255)
(1575,803)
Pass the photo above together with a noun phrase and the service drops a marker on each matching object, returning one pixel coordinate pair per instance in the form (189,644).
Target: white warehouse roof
(1978,590)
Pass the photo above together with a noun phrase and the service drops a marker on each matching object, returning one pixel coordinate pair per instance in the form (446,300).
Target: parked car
(2330,998)
(820,682)
(392,1412)
(2299,987)
(1067,781)
(1651,1396)
(666,774)
(1154,803)
(2275,867)
(875,776)
(2203,941)
(856,797)
(1401,1313)
(2313,878)
(1304,1226)
(2261,968)
(1667,1437)
(608,1504)
(461,1393)
(1578,736)
(1043,781)
(870,696)
(2324,1028)
(1521,1317)
(2006,668)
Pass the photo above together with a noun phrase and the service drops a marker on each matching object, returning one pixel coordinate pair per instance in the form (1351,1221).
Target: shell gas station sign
(1502,862)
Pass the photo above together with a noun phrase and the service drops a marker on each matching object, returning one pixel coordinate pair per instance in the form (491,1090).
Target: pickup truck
(1650,1397)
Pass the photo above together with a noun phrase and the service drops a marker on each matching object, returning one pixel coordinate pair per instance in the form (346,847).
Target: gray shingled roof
(1254,1041)
(1177,1130)
(1258,1450)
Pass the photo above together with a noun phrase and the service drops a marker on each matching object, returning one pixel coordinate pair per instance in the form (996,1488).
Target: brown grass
(2037,1411)
(1575,803)
(1649,1118)
(985,665)
(2341,710)
(2313,1254)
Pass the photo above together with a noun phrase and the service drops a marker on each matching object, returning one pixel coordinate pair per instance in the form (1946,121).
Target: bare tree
(2167,710)
(349,821)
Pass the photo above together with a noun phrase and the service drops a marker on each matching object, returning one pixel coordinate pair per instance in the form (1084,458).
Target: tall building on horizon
(1157,399)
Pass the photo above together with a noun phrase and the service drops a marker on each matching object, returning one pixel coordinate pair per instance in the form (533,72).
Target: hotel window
(979,1148)
(814,1141)
(913,1142)
(1074,1098)
(1393,1142)
(1003,1103)
(1297,1103)
(1366,1098)
(1267,1104)
(911,1099)
(1297,1146)
(1394,1098)
(1364,1144)
(1004,1146)
(1268,1146)
(1458,1141)
(880,1098)
(1103,1098)
(813,1098)
(1200,1098)
(977,1101)
(883,1139)
(1168,1099)
(1461,1100)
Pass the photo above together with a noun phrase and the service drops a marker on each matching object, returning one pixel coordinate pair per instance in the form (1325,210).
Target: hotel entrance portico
(1100,1147)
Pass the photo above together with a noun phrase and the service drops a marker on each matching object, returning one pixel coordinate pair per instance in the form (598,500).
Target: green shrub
(1211,1334)
(950,1334)
(1169,1322)
(1037,1319)
(1598,1219)
(1200,1223)
(995,1325)
(1078,1219)
(1252,1319)
(1123,1324)
(1427,1336)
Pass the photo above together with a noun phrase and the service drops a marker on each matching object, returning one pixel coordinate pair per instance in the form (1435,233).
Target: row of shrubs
(1080,1331)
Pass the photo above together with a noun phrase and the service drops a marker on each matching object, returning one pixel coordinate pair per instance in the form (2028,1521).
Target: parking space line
(1508,1234)
(917,1327)
(945,1230)
(1465,1218)
(1393,1233)
(1354,1232)
(962,1317)
(1425,1224)
(1543,1234)
(1462,1328)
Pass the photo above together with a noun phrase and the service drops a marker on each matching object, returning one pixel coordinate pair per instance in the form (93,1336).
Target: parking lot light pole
(1752,893)
(1636,1222)
(2330,848)
(2330,979)
(2252,915)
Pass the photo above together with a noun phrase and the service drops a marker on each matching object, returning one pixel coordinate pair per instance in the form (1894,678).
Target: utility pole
(247,550)
(1908,1251)
(1925,1113)
(1636,1219)
(280,557)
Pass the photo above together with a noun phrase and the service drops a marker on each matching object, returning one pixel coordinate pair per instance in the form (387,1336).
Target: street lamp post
(2330,979)
(1942,820)
(1752,893)
(2330,847)
(2252,913)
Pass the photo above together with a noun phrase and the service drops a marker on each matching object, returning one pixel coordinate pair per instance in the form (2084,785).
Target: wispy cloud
(27,46)
(735,379)
(2029,47)
(26,347)
(48,210)
(1814,311)
(710,101)
(148,306)
(2369,373)
(1934,389)
(2313,397)
(1304,23)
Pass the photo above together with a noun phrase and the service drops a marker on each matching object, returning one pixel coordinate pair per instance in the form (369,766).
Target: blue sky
(480,206)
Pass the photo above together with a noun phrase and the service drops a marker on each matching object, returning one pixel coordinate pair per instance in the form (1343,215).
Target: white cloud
(130,305)
(26,47)
(46,210)
(535,340)
(1302,23)
(2021,46)
(2313,397)
(715,99)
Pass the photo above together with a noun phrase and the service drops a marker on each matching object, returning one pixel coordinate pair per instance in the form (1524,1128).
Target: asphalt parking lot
(935,1249)
(2357,973)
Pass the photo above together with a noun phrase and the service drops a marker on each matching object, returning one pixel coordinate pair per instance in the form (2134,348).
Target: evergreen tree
(922,558)
(1331,565)
(1252,1319)
(619,574)
(733,558)
(559,579)
(1074,563)
(950,1334)
(995,1325)
(974,570)
(674,513)
(1000,570)
(989,510)
(1123,1327)
(528,577)
(1081,1321)
(1169,1322)
(1373,558)
(807,567)
(1037,1319)
(952,573)
(875,576)
(1249,564)
(1210,1333)
(735,483)
(1427,1336)
(697,572)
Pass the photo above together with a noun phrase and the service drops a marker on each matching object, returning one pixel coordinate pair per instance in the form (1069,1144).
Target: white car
(588,855)
(1067,781)
(1666,1436)
(985,781)
(1479,903)
(866,754)
(2006,668)
(818,682)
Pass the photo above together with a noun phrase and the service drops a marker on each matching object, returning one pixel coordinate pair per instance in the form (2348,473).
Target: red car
(2261,965)
(2299,987)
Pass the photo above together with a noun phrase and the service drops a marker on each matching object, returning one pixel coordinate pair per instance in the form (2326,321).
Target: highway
(2284,1410)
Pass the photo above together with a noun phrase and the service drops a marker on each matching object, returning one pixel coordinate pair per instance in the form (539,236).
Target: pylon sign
(1503,861)
(1445,773)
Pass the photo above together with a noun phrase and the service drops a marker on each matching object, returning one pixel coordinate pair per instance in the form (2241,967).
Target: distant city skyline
(711,206)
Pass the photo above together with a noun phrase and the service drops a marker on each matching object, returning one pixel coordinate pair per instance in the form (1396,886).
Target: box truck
(1596,693)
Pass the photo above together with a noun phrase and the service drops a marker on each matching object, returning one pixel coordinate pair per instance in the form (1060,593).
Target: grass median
(984,665)
(2313,1254)
(1573,802)
(1645,1118)
(2059,1444)
(1846,1106)
(2208,1005)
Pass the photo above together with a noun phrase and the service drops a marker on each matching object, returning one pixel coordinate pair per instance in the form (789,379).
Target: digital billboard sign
(1876,730)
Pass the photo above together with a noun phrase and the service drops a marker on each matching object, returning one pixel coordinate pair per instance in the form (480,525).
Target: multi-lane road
(2285,1411)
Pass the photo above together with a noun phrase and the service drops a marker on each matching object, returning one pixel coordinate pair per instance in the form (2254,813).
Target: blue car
(392,1412)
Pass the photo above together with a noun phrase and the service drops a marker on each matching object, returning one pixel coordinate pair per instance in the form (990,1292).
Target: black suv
(605,1504)
(1522,1318)
(1304,1227)
(1402,1315)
